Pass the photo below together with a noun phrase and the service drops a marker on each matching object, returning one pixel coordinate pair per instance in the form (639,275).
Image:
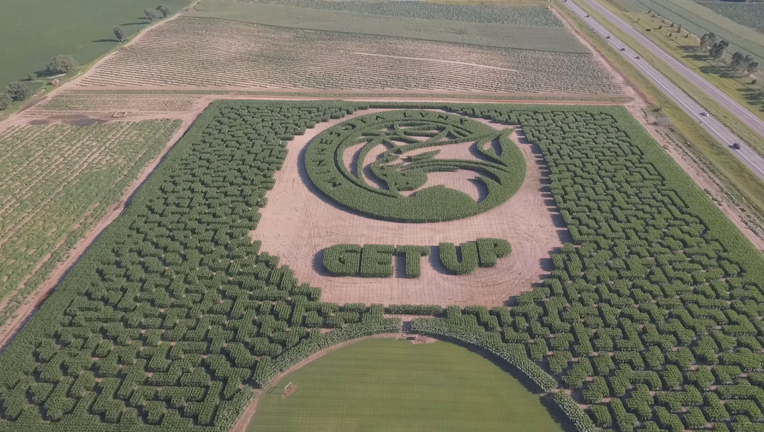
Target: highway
(748,156)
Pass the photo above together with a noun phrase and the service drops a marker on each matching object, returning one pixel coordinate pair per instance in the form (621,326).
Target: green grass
(389,385)
(35,31)
(493,34)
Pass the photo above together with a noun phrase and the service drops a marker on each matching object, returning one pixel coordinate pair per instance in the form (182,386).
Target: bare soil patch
(299,223)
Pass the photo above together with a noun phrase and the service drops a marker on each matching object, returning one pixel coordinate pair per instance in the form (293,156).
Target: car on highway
(623,49)
(704,114)
(736,146)
(607,37)
(587,15)
(637,57)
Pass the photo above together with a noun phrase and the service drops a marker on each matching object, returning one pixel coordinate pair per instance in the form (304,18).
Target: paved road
(749,157)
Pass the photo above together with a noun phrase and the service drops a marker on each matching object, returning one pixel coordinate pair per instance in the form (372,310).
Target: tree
(743,63)
(708,40)
(719,50)
(737,62)
(5,101)
(119,34)
(62,64)
(164,10)
(18,90)
(151,15)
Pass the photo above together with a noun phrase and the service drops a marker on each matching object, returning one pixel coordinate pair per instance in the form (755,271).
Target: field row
(56,182)
(518,16)
(542,38)
(191,53)
(77,101)
(651,316)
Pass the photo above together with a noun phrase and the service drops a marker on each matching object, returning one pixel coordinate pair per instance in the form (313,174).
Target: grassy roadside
(730,121)
(745,187)
(737,87)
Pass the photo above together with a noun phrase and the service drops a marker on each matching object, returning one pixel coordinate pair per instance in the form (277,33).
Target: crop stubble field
(649,315)
(209,53)
(56,182)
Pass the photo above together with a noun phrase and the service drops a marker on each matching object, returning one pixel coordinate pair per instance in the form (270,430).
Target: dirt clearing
(299,223)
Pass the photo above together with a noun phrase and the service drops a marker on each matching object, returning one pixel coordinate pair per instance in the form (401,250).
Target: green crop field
(534,28)
(35,31)
(389,385)
(648,319)
(56,182)
(744,13)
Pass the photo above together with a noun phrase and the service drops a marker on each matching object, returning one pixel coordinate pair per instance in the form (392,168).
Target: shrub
(490,249)
(413,256)
(62,64)
(450,260)
(5,101)
(343,259)
(377,261)
(18,91)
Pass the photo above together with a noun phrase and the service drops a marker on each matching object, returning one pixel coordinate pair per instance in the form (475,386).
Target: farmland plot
(545,34)
(204,53)
(650,315)
(506,15)
(56,182)
(87,102)
(747,14)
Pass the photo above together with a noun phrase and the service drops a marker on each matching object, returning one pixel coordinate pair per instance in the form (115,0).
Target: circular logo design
(415,166)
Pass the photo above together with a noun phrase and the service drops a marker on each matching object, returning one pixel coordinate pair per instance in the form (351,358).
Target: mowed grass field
(34,31)
(389,385)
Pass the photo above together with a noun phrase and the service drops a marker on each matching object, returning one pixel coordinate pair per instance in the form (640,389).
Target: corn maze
(649,319)
(210,53)
(56,182)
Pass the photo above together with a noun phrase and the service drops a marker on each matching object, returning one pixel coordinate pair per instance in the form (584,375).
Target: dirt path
(300,230)
(436,61)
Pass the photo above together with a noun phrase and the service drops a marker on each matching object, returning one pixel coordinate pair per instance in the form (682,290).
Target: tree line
(717,48)
(152,15)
